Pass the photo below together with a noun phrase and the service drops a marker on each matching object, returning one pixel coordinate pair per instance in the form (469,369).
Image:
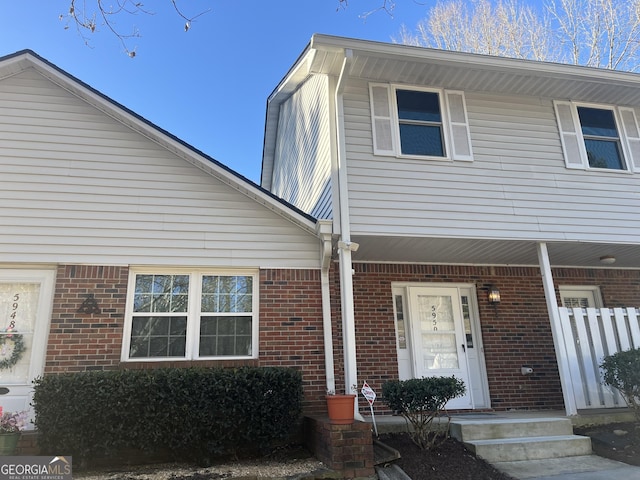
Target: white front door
(439,341)
(25,307)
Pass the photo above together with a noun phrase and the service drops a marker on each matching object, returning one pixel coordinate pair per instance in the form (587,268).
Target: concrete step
(530,448)
(467,430)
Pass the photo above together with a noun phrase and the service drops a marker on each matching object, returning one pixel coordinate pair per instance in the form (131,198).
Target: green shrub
(195,413)
(622,371)
(421,401)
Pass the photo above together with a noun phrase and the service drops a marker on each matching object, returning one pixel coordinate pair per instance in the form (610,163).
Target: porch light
(608,259)
(494,295)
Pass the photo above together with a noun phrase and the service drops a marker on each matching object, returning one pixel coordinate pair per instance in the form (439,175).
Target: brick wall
(291,333)
(515,333)
(86,341)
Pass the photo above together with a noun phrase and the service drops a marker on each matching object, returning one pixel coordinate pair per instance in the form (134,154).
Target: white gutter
(556,330)
(345,246)
(324,232)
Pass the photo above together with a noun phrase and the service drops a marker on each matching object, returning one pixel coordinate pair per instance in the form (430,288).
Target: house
(123,247)
(486,214)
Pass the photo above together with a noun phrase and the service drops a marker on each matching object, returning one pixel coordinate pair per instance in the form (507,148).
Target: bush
(622,371)
(194,413)
(421,401)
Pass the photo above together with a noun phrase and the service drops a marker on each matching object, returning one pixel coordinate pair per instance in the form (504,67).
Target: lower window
(191,316)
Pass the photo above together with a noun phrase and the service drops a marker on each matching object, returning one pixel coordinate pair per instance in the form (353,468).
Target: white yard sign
(370,395)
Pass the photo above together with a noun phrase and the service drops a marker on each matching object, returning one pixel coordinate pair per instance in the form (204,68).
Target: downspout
(556,331)
(345,246)
(323,229)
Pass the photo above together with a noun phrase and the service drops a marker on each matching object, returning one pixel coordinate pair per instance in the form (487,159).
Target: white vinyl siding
(573,140)
(80,187)
(385,121)
(302,164)
(517,187)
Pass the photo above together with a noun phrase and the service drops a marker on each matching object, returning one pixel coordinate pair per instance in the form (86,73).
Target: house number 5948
(14,310)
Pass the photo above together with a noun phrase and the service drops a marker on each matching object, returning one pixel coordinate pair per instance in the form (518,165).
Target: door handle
(4,390)
(464,349)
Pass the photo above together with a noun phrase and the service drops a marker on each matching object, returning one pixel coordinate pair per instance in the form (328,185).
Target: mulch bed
(617,441)
(449,461)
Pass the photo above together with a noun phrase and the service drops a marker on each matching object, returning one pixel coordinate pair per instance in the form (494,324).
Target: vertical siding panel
(302,165)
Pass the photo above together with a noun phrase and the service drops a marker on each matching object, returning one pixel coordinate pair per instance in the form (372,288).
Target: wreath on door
(11,349)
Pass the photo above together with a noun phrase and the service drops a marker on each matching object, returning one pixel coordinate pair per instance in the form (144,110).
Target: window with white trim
(191,315)
(419,122)
(598,136)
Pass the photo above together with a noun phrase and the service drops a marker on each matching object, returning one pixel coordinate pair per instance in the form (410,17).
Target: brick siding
(517,332)
(291,332)
(86,341)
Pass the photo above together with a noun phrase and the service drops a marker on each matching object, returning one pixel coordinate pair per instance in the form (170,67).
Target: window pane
(161,293)
(220,336)
(603,154)
(227,294)
(158,337)
(597,122)
(422,106)
(421,140)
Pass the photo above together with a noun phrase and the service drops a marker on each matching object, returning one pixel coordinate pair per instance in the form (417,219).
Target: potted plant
(11,424)
(340,408)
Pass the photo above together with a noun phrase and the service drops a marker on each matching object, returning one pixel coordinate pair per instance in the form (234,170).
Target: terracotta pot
(340,408)
(8,443)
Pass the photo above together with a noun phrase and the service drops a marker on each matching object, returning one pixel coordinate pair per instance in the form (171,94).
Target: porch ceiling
(490,252)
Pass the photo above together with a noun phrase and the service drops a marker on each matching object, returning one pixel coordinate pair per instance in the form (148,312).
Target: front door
(439,342)
(25,308)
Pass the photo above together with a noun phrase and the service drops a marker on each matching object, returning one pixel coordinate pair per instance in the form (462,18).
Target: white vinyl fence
(590,334)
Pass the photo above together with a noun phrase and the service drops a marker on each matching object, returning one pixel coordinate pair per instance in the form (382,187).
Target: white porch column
(556,330)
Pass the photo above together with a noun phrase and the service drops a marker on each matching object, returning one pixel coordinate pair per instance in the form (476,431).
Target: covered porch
(580,339)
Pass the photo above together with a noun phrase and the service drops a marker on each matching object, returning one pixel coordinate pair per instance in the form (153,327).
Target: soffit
(471,72)
(490,252)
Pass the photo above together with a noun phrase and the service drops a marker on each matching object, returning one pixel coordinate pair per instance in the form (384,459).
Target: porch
(396,423)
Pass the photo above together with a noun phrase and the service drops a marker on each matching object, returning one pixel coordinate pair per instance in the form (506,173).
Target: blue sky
(208,86)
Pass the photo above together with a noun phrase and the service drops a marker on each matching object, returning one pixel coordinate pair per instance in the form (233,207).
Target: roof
(19,61)
(396,63)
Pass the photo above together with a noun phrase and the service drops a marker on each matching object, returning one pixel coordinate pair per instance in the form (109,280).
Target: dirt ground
(447,462)
(617,441)
(450,461)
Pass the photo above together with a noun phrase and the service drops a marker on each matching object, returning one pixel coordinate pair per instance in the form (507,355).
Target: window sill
(221,363)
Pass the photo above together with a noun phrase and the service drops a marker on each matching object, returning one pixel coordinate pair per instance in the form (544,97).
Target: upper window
(599,137)
(419,122)
(190,316)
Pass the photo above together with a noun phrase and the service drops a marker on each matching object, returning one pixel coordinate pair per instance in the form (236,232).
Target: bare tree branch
(597,33)
(89,15)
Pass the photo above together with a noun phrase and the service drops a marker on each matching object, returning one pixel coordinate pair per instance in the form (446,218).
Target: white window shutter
(632,135)
(570,135)
(381,119)
(458,126)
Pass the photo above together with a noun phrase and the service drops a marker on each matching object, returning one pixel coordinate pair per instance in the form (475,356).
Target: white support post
(556,330)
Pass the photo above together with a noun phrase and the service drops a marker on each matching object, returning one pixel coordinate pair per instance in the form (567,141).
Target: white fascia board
(488,62)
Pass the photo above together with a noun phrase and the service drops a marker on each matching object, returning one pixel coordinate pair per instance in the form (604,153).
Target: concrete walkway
(590,467)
